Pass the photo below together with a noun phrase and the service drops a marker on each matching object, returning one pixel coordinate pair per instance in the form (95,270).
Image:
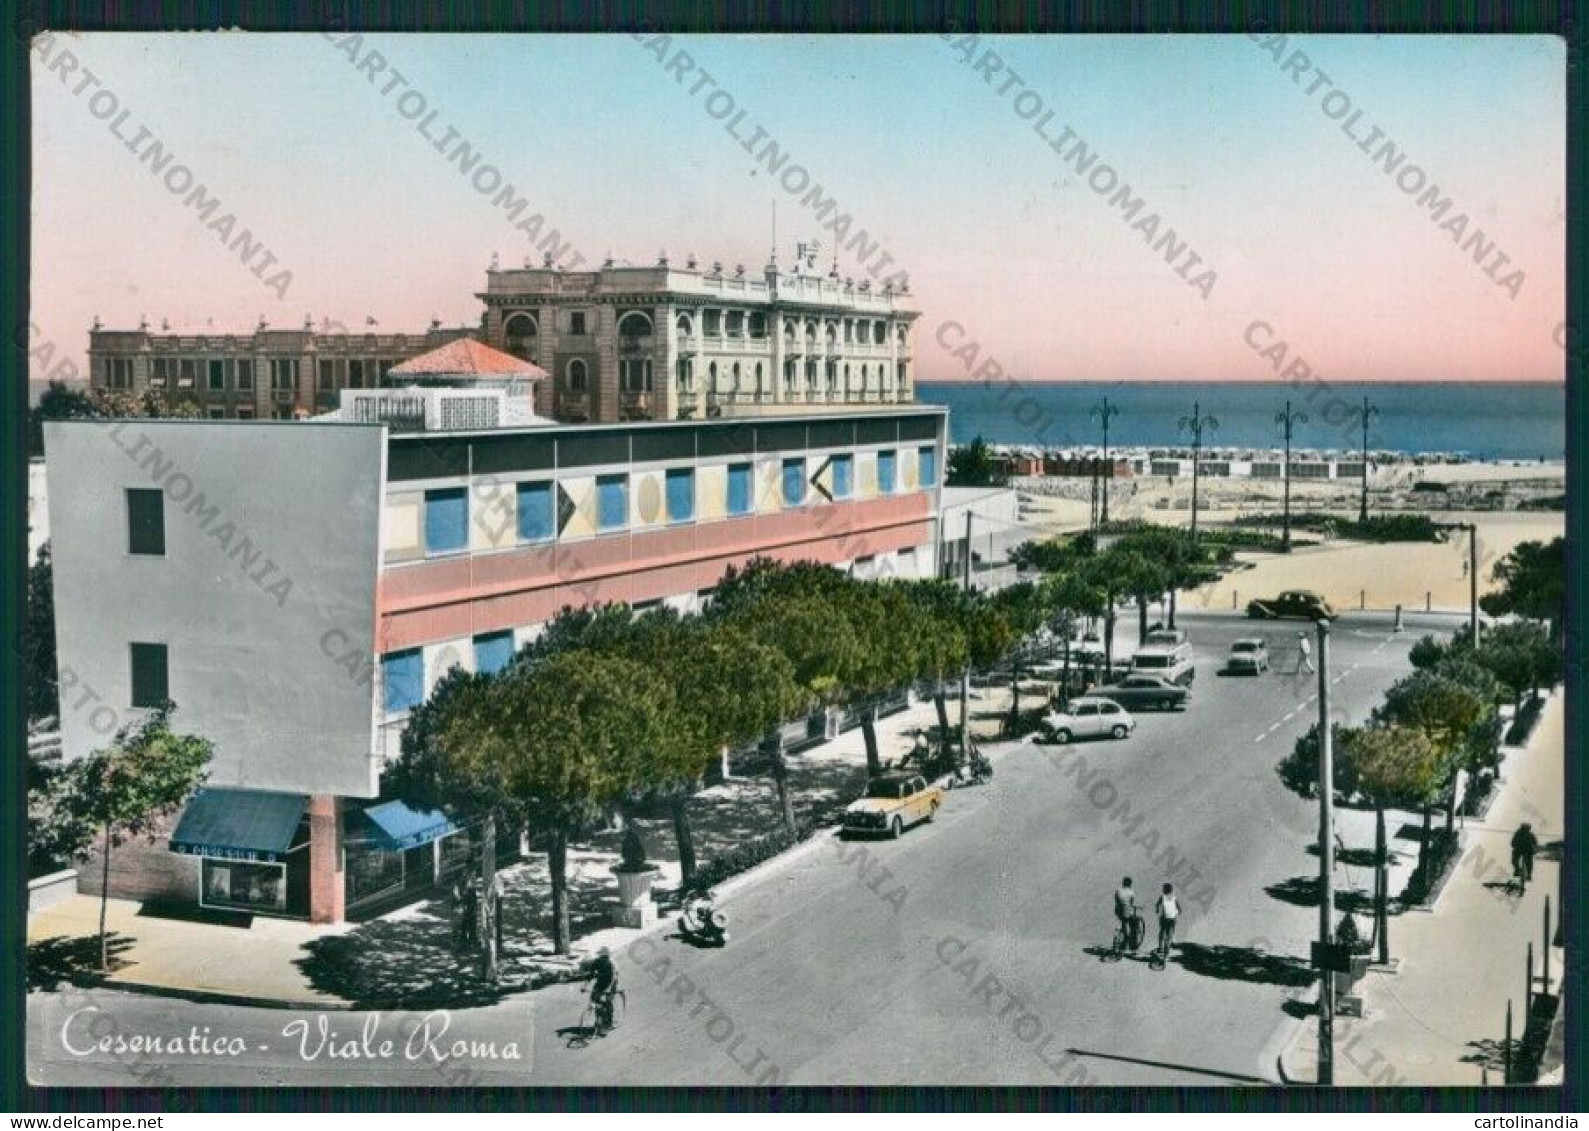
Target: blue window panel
(612,502)
(843,477)
(929,467)
(404,676)
(681,495)
(739,488)
(537,523)
(794,482)
(446,520)
(887,472)
(493,651)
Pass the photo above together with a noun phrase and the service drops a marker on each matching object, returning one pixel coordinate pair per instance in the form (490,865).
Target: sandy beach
(1350,574)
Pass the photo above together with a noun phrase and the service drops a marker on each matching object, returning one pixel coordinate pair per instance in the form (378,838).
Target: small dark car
(1301,604)
(1136,692)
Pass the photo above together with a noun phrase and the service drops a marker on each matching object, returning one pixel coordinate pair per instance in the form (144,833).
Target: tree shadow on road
(1243,964)
(74,961)
(1303,891)
(406,962)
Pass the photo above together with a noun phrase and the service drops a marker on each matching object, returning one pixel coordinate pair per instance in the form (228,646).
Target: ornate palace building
(620,343)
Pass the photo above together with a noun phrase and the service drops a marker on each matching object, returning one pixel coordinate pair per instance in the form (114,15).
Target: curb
(220,997)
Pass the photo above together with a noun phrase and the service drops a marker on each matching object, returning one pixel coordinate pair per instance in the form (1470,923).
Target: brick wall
(143,869)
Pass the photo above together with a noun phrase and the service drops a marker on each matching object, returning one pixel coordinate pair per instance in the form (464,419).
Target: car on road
(1090,716)
(1293,603)
(1142,690)
(893,802)
(1171,661)
(1248,656)
(1168,638)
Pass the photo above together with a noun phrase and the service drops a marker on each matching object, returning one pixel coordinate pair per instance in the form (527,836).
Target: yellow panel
(493,517)
(711,486)
(646,506)
(402,526)
(866,475)
(582,492)
(909,470)
(769,494)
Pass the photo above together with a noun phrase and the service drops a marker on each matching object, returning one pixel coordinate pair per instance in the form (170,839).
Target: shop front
(395,850)
(253,850)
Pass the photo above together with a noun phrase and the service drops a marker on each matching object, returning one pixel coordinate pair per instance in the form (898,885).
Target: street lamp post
(1326,864)
(1196,424)
(1287,420)
(1370,413)
(1102,412)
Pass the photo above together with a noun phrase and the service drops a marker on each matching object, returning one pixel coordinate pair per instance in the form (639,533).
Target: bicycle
(599,1018)
(1128,937)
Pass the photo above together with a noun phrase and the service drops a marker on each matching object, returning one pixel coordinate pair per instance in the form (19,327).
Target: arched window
(811,331)
(575,375)
(519,334)
(684,326)
(759,389)
(735,386)
(879,335)
(711,377)
(635,324)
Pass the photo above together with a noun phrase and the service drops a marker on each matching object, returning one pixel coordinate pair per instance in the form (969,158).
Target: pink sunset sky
(1012,238)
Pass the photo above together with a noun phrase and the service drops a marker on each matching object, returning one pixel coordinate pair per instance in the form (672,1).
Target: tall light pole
(1102,412)
(1287,420)
(1473,582)
(1196,424)
(1370,413)
(965,674)
(1326,865)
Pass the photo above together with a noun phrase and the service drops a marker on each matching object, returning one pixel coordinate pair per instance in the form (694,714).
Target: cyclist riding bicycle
(603,978)
(1126,913)
(1524,845)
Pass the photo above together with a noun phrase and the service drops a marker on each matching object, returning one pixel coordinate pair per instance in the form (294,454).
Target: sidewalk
(1440,1019)
(408,955)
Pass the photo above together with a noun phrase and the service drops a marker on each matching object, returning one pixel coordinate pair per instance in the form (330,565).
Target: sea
(1497,421)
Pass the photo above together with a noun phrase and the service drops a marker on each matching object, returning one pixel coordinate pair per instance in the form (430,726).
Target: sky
(1018,255)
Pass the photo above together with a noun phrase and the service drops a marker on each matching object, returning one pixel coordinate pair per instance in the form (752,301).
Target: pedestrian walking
(1524,845)
(1304,653)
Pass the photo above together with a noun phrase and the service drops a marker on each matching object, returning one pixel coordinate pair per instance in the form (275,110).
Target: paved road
(965,953)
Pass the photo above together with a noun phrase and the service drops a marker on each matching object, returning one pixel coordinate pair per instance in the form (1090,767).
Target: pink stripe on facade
(428,602)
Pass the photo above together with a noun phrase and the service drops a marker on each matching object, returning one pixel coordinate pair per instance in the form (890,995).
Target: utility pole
(1195,424)
(1287,420)
(1102,412)
(965,676)
(1473,582)
(1326,865)
(1369,413)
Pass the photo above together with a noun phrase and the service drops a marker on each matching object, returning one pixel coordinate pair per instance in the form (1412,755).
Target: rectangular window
(216,412)
(536,521)
(283,374)
(493,651)
(121,373)
(794,482)
(217,376)
(187,373)
(929,467)
(160,372)
(887,473)
(843,476)
(355,374)
(681,495)
(576,322)
(245,412)
(146,521)
(446,520)
(382,368)
(612,502)
(328,376)
(150,683)
(403,675)
(245,375)
(739,488)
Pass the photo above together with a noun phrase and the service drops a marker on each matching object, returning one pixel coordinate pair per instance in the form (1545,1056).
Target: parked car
(1172,661)
(1168,637)
(1248,656)
(1088,717)
(1140,690)
(892,803)
(1302,603)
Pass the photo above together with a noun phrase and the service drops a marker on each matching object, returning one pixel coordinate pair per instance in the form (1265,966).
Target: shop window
(245,885)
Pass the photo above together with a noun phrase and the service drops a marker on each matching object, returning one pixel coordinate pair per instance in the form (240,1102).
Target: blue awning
(398,825)
(239,824)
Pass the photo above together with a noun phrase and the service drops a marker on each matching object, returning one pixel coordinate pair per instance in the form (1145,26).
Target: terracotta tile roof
(466,357)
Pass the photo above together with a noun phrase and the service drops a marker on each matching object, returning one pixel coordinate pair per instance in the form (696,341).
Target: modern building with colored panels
(298,588)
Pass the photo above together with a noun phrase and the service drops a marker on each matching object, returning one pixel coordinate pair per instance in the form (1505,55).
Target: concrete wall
(272,548)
